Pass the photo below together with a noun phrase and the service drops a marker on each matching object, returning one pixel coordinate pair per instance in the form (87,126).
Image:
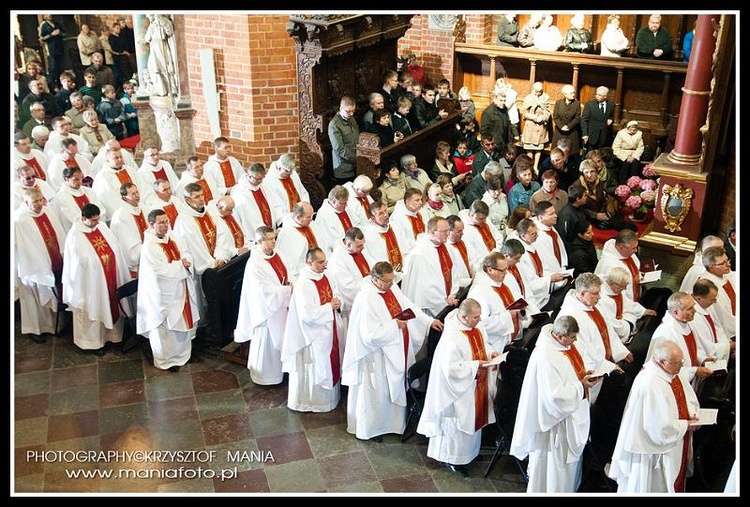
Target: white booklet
(497,360)
(568,273)
(651,276)
(716,365)
(706,416)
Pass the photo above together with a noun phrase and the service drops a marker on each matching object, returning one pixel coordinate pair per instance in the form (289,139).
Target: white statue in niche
(163,76)
(168,128)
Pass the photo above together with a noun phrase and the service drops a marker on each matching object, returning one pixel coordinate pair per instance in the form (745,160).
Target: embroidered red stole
(81,200)
(140,223)
(207,194)
(517,275)
(346,223)
(577,362)
(208,231)
(236,230)
(555,246)
(732,296)
(618,304)
(109,265)
(263,207)
(309,235)
(50,241)
(326,295)
(507,298)
(361,263)
(394,308)
(601,325)
(635,275)
(481,388)
(366,205)
(173,254)
(682,413)
(537,262)
(71,162)
(486,233)
(391,245)
(461,247)
(33,162)
(123,176)
(278,267)
(713,327)
(227,173)
(417,225)
(692,348)
(291,192)
(171,211)
(446,267)
(160,174)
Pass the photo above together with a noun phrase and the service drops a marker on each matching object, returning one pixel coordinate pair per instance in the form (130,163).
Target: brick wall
(255,61)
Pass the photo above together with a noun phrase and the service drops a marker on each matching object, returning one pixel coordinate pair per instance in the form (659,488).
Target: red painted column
(694,106)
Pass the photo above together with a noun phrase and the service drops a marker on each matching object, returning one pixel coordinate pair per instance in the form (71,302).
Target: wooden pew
(222,288)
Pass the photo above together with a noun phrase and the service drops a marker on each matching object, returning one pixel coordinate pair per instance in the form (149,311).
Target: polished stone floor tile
(75,425)
(120,418)
(333,440)
(219,403)
(68,355)
(264,397)
(394,460)
(285,448)
(162,412)
(242,454)
(168,386)
(313,420)
(178,435)
(210,381)
(297,477)
(359,488)
(120,370)
(28,407)
(37,360)
(30,432)
(31,383)
(227,428)
(77,376)
(78,399)
(27,460)
(122,393)
(275,421)
(417,483)
(343,469)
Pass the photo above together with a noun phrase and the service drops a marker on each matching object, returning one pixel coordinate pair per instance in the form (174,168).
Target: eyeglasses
(679,365)
(386,282)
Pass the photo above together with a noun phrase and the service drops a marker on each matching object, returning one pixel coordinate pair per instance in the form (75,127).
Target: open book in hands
(651,276)
(648,265)
(406,314)
(518,304)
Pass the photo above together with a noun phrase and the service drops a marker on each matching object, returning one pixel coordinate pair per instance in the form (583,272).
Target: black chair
(414,397)
(126,300)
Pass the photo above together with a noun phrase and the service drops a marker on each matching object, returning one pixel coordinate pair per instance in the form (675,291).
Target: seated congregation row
(327,294)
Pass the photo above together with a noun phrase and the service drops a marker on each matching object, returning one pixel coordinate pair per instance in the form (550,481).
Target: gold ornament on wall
(675,205)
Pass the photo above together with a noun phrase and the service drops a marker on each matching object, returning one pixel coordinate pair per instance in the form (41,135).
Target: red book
(407,314)
(518,304)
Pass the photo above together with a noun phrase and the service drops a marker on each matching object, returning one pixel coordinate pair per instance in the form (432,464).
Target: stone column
(140,24)
(695,93)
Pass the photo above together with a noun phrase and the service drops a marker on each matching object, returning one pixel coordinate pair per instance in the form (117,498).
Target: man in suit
(596,120)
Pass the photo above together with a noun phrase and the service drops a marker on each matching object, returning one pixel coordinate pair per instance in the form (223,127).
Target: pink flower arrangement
(638,194)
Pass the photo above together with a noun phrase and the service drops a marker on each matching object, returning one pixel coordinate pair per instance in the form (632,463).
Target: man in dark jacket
(495,121)
(597,119)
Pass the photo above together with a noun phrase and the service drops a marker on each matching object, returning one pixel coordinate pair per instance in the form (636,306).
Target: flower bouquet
(638,197)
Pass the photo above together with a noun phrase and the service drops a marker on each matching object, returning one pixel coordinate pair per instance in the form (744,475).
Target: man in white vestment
(39,243)
(129,226)
(108,181)
(264,305)
(223,215)
(154,168)
(94,268)
(311,351)
(198,231)
(718,270)
(283,186)
(381,242)
(332,220)
(252,205)
(61,127)
(543,282)
(72,196)
(193,173)
(68,156)
(380,348)
(696,269)
(167,303)
(26,179)
(459,251)
(24,154)
(408,220)
(710,335)
(100,160)
(460,391)
(549,245)
(358,206)
(522,275)
(222,169)
(653,453)
(621,251)
(552,422)
(298,235)
(162,198)
(429,278)
(618,308)
(480,236)
(675,327)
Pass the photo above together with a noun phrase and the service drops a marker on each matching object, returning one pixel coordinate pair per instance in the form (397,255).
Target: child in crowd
(507,161)
(90,89)
(131,124)
(112,113)
(468,108)
(463,157)
(466,128)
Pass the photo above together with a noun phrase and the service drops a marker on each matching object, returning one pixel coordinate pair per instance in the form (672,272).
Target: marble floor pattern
(68,403)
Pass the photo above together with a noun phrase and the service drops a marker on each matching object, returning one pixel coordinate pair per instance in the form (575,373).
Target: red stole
(173,254)
(346,223)
(50,241)
(160,174)
(123,176)
(713,327)
(507,298)
(394,308)
(366,205)
(577,362)
(291,192)
(391,245)
(81,200)
(537,261)
(461,247)
(208,231)
(71,162)
(209,196)
(32,162)
(618,305)
(481,388)
(692,348)
(309,235)
(326,295)
(234,228)
(601,325)
(446,267)
(263,207)
(486,233)
(361,263)
(227,173)
(635,275)
(171,211)
(417,225)
(517,275)
(278,267)
(109,266)
(732,296)
(140,222)
(682,413)
(555,246)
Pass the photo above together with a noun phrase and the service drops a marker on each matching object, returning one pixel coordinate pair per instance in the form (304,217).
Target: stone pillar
(140,24)
(695,93)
